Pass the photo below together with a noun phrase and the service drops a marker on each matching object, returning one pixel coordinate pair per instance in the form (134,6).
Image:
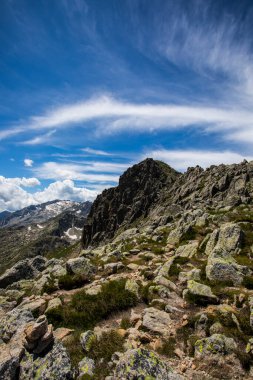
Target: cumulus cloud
(28,162)
(182,159)
(13,196)
(64,190)
(24,182)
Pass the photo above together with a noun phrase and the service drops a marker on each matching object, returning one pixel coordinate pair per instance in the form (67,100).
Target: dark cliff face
(139,188)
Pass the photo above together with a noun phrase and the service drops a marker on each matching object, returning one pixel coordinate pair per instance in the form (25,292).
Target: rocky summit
(160,286)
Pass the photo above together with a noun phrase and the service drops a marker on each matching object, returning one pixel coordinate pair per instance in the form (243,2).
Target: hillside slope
(40,229)
(163,289)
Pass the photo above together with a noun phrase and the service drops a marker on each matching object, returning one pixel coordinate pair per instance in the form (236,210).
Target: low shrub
(168,347)
(49,286)
(102,350)
(125,323)
(248,282)
(74,348)
(71,281)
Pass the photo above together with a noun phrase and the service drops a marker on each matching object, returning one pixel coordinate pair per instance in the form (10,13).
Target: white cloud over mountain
(14,196)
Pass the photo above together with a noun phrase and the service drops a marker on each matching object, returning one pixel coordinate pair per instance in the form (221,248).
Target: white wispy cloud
(28,162)
(182,159)
(96,152)
(120,116)
(41,139)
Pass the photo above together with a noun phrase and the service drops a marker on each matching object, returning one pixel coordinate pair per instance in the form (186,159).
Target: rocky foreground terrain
(161,286)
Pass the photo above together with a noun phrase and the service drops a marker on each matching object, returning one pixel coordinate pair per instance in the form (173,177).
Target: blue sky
(89,87)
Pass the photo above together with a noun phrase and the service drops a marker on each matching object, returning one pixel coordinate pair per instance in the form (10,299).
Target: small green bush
(50,286)
(168,347)
(125,323)
(248,282)
(69,281)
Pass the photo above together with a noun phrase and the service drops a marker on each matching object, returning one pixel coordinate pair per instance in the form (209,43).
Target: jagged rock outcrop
(139,188)
(153,188)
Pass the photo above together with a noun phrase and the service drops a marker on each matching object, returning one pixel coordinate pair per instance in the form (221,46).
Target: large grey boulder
(188,250)
(228,238)
(24,269)
(143,364)
(12,327)
(81,266)
(156,321)
(215,344)
(54,365)
(222,247)
(199,293)
(13,323)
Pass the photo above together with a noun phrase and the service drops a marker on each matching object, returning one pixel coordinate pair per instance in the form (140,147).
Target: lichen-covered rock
(81,266)
(36,306)
(221,248)
(250,300)
(54,365)
(187,250)
(222,267)
(176,234)
(164,269)
(156,321)
(21,270)
(86,340)
(143,364)
(215,344)
(86,369)
(249,347)
(199,293)
(53,304)
(14,322)
(193,274)
(228,238)
(10,356)
(12,327)
(132,287)
(113,268)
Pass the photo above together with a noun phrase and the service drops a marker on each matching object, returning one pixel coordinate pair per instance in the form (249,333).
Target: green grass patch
(85,311)
(63,252)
